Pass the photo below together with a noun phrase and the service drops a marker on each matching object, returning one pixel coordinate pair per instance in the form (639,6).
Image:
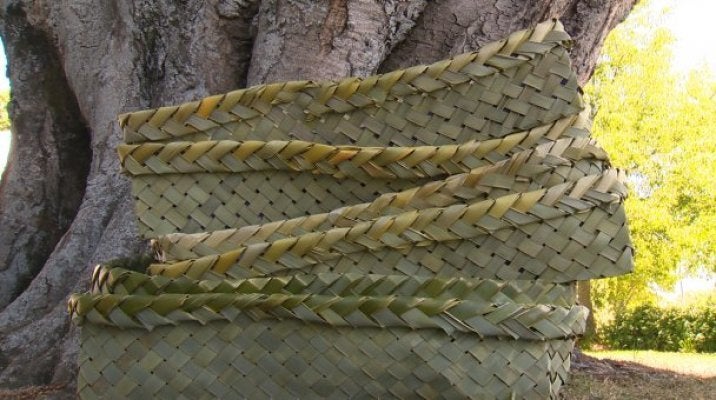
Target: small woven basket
(416,234)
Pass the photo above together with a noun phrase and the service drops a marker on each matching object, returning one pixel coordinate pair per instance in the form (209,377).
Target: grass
(652,375)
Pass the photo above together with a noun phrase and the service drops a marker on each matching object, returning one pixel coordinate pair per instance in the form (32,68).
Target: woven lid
(514,84)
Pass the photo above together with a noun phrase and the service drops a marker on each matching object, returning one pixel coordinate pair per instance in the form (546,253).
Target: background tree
(657,123)
(75,65)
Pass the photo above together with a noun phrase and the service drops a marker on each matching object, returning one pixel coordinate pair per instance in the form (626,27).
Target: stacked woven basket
(416,234)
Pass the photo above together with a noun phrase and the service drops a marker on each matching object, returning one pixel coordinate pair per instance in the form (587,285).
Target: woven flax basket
(355,335)
(416,234)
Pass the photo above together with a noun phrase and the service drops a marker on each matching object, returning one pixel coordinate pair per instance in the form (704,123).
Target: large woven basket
(191,165)
(363,336)
(416,234)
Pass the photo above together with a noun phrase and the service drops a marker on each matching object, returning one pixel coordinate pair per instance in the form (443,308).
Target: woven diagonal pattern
(416,234)
(284,359)
(207,202)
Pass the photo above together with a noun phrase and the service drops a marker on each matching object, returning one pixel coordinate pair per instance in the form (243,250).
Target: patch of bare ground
(595,379)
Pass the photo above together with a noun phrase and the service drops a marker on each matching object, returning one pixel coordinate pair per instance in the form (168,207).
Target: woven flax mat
(415,234)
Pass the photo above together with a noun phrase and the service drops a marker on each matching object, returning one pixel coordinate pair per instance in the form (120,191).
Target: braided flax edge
(511,320)
(110,280)
(356,162)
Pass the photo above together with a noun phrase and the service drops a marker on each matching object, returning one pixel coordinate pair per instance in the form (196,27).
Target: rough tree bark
(74,65)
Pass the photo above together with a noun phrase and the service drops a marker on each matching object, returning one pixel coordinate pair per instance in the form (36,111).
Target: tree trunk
(584,297)
(74,65)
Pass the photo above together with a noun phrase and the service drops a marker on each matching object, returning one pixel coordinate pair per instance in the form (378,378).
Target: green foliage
(4,118)
(665,329)
(657,124)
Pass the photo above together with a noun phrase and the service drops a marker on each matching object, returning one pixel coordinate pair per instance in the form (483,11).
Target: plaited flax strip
(106,280)
(512,320)
(415,234)
(359,163)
